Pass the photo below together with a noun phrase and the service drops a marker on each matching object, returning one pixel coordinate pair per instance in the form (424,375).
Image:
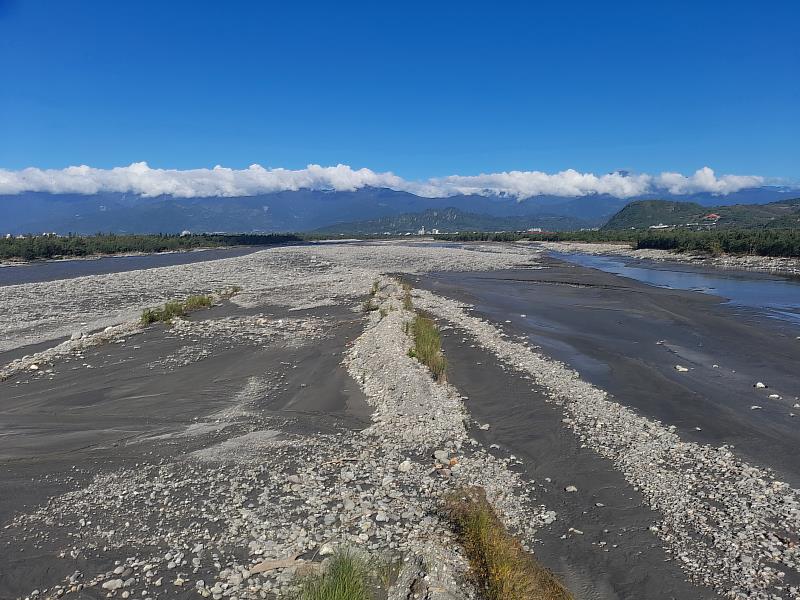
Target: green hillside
(454,219)
(643,214)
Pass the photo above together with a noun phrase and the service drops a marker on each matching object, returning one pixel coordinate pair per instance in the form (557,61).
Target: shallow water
(53,270)
(769,295)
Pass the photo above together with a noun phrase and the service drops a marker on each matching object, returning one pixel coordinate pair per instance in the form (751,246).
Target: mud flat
(185,459)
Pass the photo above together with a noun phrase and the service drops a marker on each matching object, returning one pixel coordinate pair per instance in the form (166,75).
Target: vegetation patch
(500,566)
(229,292)
(428,346)
(408,304)
(175,308)
(730,240)
(31,247)
(348,576)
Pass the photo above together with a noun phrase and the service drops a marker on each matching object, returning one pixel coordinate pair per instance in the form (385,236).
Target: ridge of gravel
(298,277)
(730,525)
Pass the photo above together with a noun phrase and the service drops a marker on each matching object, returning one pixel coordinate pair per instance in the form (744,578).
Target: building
(435,231)
(421,231)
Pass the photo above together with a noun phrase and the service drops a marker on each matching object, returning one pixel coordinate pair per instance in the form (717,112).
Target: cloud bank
(139,178)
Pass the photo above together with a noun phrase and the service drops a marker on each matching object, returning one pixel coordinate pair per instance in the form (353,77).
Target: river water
(52,270)
(770,295)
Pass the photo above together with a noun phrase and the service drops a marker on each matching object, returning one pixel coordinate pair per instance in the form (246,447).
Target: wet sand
(627,337)
(615,556)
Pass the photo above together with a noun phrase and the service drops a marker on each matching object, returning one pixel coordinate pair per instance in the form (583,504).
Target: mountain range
(308,210)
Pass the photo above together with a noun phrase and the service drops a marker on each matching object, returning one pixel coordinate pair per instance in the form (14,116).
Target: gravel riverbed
(209,509)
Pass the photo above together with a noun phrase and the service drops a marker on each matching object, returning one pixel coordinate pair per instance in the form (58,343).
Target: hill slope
(452,219)
(646,213)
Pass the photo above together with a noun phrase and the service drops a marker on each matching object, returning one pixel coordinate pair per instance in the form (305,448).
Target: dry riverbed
(226,454)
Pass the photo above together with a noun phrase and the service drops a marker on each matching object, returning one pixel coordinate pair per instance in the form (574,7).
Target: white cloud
(139,178)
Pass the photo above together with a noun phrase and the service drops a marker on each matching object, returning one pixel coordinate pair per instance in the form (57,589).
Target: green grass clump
(175,308)
(376,286)
(347,577)
(428,346)
(500,566)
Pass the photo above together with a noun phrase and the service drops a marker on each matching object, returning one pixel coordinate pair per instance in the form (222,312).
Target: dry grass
(428,346)
(175,309)
(229,292)
(407,302)
(500,567)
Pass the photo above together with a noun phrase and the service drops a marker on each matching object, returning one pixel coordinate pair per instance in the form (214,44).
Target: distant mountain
(302,210)
(452,219)
(646,213)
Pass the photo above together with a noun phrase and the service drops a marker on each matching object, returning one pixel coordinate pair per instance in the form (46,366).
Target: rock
(755,407)
(112,584)
(442,456)
(326,549)
(759,385)
(570,489)
(681,368)
(404,467)
(484,427)
(76,336)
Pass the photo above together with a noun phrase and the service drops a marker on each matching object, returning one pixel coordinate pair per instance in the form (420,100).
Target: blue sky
(421,89)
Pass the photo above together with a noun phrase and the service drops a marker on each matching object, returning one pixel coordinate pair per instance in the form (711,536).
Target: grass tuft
(500,566)
(407,302)
(369,305)
(428,346)
(347,577)
(175,308)
(229,292)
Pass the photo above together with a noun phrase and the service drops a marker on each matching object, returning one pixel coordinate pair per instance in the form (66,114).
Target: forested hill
(646,213)
(452,219)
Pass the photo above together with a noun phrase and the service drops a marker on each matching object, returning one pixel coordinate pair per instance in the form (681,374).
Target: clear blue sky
(422,89)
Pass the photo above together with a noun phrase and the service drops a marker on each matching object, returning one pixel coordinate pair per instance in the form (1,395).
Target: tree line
(52,246)
(759,242)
